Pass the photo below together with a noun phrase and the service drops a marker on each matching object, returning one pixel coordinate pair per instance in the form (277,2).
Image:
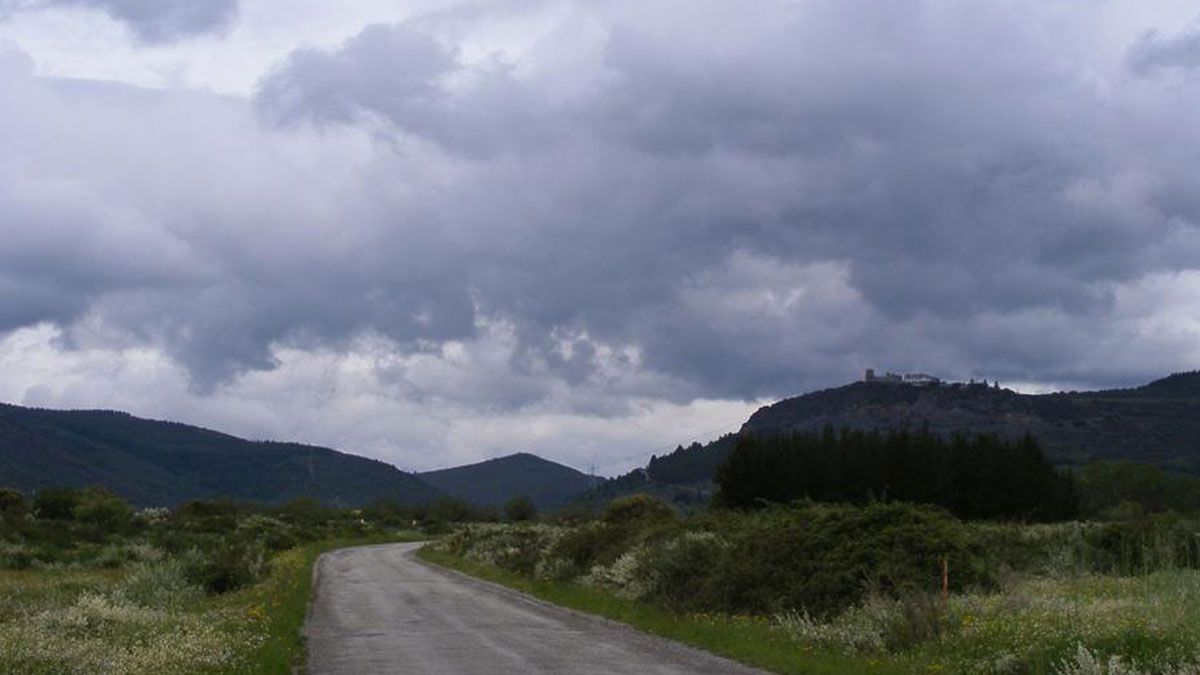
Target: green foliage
(839,588)
(13,503)
(819,557)
(981,476)
(638,509)
(1118,490)
(227,566)
(693,464)
(272,533)
(1158,542)
(56,503)
(100,509)
(824,558)
(519,509)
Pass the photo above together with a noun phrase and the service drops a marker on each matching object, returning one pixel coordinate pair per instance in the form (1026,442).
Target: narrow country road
(377,609)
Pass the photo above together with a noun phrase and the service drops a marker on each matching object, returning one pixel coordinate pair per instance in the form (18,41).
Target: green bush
(681,571)
(639,509)
(228,566)
(824,558)
(13,504)
(272,533)
(56,503)
(1158,542)
(103,511)
(159,585)
(519,509)
(584,546)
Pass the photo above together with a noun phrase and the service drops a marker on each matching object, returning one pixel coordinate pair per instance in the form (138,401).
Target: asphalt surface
(377,609)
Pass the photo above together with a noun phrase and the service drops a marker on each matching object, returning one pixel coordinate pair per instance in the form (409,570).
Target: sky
(435,232)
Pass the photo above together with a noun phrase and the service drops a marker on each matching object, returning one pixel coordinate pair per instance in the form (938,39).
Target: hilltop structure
(910,379)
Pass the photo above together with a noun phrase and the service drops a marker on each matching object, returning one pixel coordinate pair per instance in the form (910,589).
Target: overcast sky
(434,232)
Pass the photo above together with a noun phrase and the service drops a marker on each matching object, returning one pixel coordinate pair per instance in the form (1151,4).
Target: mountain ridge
(156,462)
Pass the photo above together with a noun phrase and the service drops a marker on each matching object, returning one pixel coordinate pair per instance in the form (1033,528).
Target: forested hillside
(1157,424)
(166,463)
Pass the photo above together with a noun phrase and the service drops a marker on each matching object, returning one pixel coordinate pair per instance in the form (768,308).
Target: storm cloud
(567,211)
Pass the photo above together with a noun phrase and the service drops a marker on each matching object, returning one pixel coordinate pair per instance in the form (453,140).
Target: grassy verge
(748,640)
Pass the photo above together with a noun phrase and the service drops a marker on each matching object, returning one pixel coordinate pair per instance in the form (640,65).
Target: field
(1068,598)
(207,588)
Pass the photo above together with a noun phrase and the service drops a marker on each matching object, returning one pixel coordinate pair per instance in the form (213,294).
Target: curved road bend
(379,610)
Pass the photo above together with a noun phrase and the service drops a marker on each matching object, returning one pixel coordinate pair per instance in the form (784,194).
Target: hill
(1157,423)
(154,463)
(495,481)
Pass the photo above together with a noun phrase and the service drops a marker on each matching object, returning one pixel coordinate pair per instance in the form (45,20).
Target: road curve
(377,609)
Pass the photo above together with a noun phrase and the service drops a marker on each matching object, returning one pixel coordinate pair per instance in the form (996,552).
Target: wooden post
(945,581)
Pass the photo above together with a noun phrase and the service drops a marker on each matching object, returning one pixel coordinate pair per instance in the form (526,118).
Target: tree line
(980,476)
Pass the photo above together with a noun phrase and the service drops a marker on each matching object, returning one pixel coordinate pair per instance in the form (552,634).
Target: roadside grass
(750,640)
(144,618)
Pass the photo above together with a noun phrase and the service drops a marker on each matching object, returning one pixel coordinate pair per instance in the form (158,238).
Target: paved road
(377,609)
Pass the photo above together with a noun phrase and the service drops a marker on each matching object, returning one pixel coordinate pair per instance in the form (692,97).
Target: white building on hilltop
(911,379)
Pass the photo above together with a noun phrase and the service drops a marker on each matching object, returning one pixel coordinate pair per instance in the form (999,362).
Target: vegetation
(152,463)
(1156,424)
(811,587)
(493,482)
(1122,489)
(980,476)
(89,585)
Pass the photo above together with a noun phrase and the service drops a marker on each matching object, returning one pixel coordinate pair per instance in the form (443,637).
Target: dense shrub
(272,533)
(823,558)
(228,566)
(159,585)
(13,503)
(519,509)
(814,558)
(1119,490)
(1160,542)
(103,511)
(584,546)
(519,548)
(207,515)
(56,503)
(685,572)
(638,509)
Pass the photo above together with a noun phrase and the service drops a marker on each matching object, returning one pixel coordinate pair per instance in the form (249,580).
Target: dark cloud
(151,21)
(741,204)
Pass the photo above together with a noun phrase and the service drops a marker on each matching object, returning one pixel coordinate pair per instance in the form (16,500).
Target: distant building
(921,380)
(911,379)
(889,378)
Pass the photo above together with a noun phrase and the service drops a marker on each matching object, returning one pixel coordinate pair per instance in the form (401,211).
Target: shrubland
(89,585)
(869,583)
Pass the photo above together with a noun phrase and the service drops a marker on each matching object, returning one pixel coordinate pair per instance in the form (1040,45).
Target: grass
(753,641)
(144,618)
